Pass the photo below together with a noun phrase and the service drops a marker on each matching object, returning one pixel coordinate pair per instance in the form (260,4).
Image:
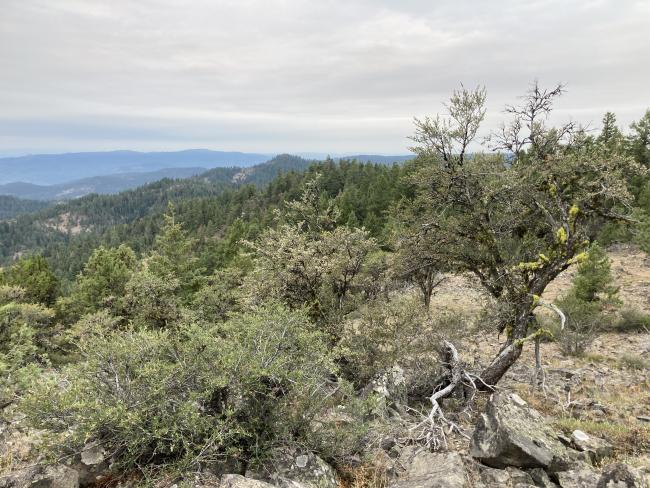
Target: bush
(397,333)
(633,320)
(25,338)
(583,321)
(189,396)
(591,293)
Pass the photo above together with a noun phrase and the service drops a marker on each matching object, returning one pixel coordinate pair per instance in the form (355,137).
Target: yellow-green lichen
(561,236)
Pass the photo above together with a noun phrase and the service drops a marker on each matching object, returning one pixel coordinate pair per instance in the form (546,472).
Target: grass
(634,361)
(633,320)
(627,439)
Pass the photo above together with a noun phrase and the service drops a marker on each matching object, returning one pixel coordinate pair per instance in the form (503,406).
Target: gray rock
(434,470)
(92,464)
(42,477)
(619,476)
(239,481)
(596,448)
(509,477)
(512,434)
(585,477)
(290,469)
(541,479)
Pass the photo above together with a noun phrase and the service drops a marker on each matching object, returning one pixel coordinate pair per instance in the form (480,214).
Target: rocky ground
(588,427)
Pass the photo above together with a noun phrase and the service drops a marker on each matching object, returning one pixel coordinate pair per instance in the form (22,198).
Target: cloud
(299,75)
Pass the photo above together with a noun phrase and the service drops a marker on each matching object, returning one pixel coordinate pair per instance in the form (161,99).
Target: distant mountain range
(54,169)
(57,177)
(95,184)
(51,169)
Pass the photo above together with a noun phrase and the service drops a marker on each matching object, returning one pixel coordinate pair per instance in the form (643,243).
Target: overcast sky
(329,76)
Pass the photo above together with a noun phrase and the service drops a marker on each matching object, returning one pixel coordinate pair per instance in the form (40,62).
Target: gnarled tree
(518,217)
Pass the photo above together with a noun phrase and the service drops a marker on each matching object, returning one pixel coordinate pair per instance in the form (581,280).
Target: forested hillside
(11,207)
(208,205)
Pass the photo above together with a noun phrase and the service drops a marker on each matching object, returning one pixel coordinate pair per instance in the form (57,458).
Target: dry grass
(363,476)
(628,439)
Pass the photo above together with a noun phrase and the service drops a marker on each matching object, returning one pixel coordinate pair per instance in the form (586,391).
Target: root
(434,428)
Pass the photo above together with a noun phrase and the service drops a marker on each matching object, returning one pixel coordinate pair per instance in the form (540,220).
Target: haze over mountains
(95,184)
(51,169)
(56,177)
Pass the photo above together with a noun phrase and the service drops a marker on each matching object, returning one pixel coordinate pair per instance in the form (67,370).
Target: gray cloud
(299,75)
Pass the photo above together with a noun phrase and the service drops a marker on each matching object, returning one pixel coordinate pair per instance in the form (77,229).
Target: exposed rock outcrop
(434,470)
(289,468)
(510,433)
(41,477)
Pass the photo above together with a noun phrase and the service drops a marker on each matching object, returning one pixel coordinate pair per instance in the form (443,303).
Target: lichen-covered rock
(620,476)
(41,477)
(239,481)
(92,463)
(541,479)
(596,448)
(504,478)
(288,468)
(584,477)
(510,433)
(434,470)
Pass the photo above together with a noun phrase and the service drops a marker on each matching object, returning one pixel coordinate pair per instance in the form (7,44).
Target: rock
(619,476)
(289,468)
(18,479)
(56,477)
(541,479)
(496,478)
(511,434)
(570,461)
(239,481)
(598,449)
(434,470)
(42,477)
(389,387)
(643,418)
(585,477)
(92,463)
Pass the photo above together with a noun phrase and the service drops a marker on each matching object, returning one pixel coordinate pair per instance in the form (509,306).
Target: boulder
(289,468)
(434,470)
(596,448)
(41,477)
(511,433)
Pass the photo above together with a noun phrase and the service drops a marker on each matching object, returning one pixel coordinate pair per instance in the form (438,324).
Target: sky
(324,76)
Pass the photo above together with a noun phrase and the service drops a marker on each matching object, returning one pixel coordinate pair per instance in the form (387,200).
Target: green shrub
(583,321)
(633,320)
(187,396)
(591,293)
(25,338)
(396,333)
(35,276)
(634,361)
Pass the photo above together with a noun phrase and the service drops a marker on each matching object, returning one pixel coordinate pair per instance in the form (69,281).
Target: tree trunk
(511,350)
(500,365)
